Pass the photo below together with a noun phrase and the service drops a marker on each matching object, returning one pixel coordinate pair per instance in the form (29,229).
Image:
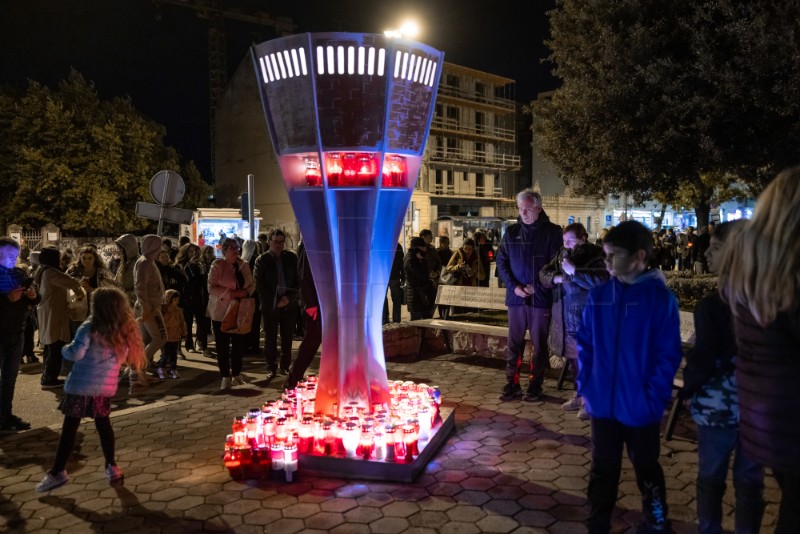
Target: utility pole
(216,13)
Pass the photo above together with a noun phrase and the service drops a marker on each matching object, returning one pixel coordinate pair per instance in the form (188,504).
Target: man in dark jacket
(527,246)
(420,291)
(397,277)
(313,326)
(278,289)
(16,298)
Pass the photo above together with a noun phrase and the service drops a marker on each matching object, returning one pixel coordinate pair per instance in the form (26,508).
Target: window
(452,113)
(480,120)
(480,152)
(480,189)
(453,80)
(480,89)
(438,110)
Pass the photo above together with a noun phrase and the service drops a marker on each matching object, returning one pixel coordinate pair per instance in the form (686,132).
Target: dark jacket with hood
(629,347)
(569,297)
(523,251)
(124,274)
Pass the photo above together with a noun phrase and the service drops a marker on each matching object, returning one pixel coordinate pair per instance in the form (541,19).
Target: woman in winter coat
(229,278)
(195,296)
(53,312)
(465,264)
(759,279)
(90,270)
(420,291)
(572,273)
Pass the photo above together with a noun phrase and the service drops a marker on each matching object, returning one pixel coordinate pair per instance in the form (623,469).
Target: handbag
(239,316)
(78,309)
(447,278)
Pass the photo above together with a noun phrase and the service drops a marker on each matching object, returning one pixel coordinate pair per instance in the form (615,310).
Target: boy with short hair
(629,348)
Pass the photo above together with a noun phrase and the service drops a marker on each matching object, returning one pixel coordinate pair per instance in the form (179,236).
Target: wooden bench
(486,298)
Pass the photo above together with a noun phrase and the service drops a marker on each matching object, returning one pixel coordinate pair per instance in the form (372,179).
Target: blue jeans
(714,448)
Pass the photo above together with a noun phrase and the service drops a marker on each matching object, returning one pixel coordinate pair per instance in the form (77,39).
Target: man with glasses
(276,274)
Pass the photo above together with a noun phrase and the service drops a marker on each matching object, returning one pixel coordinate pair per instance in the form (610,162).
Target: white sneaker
(226,383)
(173,373)
(162,373)
(575,403)
(583,415)
(114,475)
(50,482)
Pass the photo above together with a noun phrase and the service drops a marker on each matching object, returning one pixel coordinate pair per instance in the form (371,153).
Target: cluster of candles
(266,441)
(358,169)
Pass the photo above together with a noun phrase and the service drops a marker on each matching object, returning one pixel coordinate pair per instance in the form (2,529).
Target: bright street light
(408,29)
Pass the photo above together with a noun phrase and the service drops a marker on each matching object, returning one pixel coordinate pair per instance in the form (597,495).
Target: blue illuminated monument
(349,115)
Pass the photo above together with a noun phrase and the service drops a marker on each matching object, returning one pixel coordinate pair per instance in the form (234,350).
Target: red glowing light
(351,169)
(395,172)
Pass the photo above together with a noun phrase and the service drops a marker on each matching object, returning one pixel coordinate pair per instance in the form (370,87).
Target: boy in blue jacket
(629,348)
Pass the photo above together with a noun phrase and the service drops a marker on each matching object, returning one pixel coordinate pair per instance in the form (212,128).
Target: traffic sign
(167,188)
(147,210)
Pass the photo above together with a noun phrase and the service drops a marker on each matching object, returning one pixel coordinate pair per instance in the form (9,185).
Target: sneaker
(114,475)
(208,353)
(12,423)
(198,347)
(55,384)
(534,394)
(162,373)
(239,380)
(31,359)
(284,371)
(137,388)
(575,403)
(583,415)
(272,373)
(226,383)
(50,482)
(510,392)
(173,373)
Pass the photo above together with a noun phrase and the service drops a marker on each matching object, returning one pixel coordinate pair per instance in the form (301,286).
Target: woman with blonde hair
(760,280)
(106,340)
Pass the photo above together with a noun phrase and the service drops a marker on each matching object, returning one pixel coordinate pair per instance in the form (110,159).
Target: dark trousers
(307,351)
(52,362)
(192,313)
(10,356)
(396,292)
(789,514)
(523,319)
(230,348)
(30,328)
(169,355)
(643,443)
(253,339)
(283,319)
(69,431)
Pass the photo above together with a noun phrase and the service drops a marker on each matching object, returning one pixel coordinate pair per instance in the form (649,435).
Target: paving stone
(324,520)
(301,510)
(400,509)
(389,525)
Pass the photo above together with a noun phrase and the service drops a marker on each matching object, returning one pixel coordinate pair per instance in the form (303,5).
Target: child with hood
(149,290)
(176,329)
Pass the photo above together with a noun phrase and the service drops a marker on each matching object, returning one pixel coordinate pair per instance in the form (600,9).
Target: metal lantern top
(352,107)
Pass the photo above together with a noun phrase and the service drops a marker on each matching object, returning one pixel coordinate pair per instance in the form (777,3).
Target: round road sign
(167,188)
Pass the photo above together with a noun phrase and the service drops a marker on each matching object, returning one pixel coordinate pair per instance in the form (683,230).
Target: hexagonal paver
(363,515)
(301,510)
(324,520)
(389,525)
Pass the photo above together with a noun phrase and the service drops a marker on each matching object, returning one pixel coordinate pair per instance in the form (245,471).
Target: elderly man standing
(527,246)
(277,282)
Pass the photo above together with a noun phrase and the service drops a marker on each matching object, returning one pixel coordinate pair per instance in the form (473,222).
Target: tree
(79,162)
(672,98)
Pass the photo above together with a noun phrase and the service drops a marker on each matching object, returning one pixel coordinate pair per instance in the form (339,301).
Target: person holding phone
(17,297)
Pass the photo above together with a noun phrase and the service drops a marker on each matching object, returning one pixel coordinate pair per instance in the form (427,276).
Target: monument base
(356,468)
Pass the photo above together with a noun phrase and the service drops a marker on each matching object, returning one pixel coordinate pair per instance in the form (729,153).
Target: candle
(366,442)
(389,433)
(350,439)
(278,462)
(290,462)
(238,429)
(305,435)
(410,439)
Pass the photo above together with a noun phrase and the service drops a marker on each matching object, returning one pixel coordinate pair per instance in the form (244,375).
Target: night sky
(158,53)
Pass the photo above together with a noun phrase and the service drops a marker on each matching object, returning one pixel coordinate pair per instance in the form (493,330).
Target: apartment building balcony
(479,132)
(450,190)
(457,95)
(479,158)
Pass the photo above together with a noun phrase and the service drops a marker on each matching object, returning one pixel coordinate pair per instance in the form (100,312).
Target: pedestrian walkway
(508,467)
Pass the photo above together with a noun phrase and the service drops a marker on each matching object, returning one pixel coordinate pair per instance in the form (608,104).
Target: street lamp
(409,29)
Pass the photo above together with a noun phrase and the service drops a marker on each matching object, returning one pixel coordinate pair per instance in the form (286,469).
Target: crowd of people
(604,307)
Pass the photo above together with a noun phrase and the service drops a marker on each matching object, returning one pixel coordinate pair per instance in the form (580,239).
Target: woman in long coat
(53,312)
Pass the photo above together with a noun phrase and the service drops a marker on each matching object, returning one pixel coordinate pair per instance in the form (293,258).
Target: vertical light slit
(397,62)
(288,63)
(295,62)
(331,62)
(303,67)
(320,60)
(381,61)
(371,61)
(361,53)
(263,70)
(404,68)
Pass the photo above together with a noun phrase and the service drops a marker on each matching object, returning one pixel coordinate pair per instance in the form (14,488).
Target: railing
(480,191)
(453,125)
(482,157)
(457,92)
